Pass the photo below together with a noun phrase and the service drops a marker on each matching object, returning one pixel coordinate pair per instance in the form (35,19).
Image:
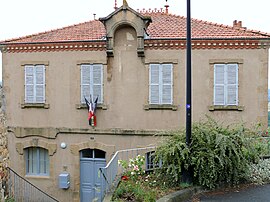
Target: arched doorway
(90,180)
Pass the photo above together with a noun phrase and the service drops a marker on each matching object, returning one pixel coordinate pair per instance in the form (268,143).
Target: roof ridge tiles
(260,32)
(231,27)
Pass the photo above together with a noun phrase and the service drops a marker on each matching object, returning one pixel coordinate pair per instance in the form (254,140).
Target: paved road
(251,194)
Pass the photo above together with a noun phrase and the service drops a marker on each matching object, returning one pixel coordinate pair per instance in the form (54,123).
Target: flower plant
(133,168)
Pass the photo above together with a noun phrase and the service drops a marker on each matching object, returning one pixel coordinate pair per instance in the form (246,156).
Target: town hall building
(134,63)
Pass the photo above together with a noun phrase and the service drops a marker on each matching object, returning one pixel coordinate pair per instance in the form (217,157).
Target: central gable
(122,17)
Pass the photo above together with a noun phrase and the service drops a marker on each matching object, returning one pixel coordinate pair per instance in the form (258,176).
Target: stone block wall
(4,155)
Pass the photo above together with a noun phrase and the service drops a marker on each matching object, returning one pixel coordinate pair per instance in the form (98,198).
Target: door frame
(96,170)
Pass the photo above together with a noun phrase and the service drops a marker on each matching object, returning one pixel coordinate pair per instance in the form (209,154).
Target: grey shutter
(167,81)
(219,84)
(232,84)
(29,84)
(97,81)
(85,82)
(40,83)
(154,84)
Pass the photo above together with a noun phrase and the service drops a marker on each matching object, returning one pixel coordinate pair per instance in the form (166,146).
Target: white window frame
(35,84)
(91,83)
(161,84)
(36,161)
(225,85)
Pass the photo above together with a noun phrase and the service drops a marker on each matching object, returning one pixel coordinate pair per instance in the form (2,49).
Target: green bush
(218,154)
(133,185)
(259,173)
(9,199)
(132,191)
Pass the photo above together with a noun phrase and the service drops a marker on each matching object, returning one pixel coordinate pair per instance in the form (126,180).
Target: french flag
(92,106)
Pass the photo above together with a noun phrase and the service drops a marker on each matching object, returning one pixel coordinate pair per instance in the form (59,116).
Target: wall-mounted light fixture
(63,145)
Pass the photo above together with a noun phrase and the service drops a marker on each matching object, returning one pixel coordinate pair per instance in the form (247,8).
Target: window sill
(99,106)
(28,176)
(225,108)
(35,105)
(160,107)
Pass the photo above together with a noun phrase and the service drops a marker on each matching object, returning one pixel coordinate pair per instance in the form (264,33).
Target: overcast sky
(23,17)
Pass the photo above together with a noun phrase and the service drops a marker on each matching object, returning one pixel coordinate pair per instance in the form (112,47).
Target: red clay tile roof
(163,26)
(172,26)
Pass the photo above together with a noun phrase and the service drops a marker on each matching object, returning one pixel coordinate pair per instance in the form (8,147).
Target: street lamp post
(187,174)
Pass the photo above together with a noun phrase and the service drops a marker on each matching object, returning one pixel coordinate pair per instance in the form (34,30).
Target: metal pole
(187,174)
(188,79)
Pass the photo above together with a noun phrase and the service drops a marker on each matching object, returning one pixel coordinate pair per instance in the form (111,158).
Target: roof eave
(4,43)
(233,38)
(50,42)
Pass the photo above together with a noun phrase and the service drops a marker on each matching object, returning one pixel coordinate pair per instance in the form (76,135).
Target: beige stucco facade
(125,120)
(126,88)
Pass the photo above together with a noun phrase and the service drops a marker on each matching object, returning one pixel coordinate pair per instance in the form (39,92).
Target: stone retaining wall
(4,155)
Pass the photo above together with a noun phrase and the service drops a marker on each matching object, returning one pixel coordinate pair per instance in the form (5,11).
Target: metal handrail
(20,189)
(111,174)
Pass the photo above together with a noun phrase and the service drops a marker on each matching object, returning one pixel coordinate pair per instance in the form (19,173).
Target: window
(93,153)
(37,161)
(160,84)
(35,84)
(92,82)
(150,164)
(226,84)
